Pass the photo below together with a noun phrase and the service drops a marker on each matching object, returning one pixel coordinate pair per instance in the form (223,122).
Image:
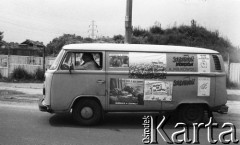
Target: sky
(44,20)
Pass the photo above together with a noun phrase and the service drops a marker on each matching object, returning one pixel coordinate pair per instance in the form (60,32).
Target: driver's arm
(80,67)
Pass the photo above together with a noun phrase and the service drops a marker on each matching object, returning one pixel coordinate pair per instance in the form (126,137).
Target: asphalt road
(24,124)
(21,123)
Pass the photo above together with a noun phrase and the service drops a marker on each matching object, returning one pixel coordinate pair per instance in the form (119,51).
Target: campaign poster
(126,91)
(118,60)
(203,62)
(158,90)
(187,81)
(181,62)
(147,65)
(203,86)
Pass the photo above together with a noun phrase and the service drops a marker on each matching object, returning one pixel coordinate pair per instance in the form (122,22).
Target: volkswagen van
(134,78)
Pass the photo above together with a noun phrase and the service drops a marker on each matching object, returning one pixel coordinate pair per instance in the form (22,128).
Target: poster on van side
(126,91)
(118,60)
(203,62)
(181,62)
(158,90)
(147,65)
(203,86)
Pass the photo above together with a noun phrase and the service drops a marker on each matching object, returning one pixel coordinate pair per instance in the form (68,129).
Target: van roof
(136,48)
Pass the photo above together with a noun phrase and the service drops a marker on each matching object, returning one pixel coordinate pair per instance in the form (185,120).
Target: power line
(31,29)
(93,29)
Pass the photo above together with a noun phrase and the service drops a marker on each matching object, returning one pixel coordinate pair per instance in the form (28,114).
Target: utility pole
(8,62)
(93,29)
(44,62)
(128,22)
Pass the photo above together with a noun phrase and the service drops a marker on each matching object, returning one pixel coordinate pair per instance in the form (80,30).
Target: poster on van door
(181,62)
(203,62)
(203,86)
(126,91)
(147,65)
(158,90)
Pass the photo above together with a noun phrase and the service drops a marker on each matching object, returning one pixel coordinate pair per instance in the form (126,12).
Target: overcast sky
(43,20)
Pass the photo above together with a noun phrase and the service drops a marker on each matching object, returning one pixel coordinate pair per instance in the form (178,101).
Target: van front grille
(217,62)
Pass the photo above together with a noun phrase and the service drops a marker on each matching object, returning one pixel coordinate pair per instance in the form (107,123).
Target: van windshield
(57,60)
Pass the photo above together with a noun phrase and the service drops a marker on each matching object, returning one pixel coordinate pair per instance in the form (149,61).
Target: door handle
(100,81)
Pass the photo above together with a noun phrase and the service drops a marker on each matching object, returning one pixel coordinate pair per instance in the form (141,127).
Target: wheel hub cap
(86,112)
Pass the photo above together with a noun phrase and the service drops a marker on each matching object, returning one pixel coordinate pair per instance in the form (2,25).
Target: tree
(88,40)
(118,38)
(54,46)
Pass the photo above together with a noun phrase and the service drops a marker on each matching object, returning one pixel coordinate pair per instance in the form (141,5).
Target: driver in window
(89,63)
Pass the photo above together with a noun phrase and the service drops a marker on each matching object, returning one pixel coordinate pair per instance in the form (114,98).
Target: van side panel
(221,90)
(185,91)
(221,93)
(185,71)
(192,77)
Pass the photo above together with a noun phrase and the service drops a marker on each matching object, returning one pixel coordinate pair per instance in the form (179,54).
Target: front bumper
(220,109)
(42,107)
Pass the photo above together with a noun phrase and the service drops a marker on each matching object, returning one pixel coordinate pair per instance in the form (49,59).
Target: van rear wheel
(87,112)
(191,113)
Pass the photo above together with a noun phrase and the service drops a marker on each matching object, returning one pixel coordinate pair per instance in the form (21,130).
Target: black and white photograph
(126,91)
(119,72)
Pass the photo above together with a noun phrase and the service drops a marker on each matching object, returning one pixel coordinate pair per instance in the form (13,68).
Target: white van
(92,79)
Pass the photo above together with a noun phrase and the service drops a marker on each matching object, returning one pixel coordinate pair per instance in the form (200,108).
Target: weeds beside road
(20,92)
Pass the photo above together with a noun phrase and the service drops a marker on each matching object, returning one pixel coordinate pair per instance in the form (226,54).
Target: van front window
(57,60)
(82,61)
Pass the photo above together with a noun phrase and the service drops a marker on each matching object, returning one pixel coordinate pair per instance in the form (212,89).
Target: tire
(190,114)
(87,112)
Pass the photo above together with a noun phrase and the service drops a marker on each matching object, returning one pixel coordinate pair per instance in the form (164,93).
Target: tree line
(184,35)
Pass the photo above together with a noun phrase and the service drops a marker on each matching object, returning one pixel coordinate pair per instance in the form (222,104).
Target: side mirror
(71,68)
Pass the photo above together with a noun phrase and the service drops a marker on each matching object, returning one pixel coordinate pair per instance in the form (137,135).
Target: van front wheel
(191,113)
(87,112)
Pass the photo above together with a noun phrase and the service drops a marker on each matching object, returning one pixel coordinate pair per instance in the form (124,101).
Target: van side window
(117,60)
(82,61)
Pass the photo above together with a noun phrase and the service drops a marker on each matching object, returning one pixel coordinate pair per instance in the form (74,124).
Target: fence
(29,63)
(234,73)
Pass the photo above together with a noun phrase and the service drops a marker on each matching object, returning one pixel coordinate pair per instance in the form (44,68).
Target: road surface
(21,123)
(24,124)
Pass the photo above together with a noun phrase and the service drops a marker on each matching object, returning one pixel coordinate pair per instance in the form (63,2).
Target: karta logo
(152,130)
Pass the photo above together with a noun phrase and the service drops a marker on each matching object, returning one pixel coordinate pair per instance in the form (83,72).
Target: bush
(20,73)
(193,35)
(39,74)
(156,30)
(232,85)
